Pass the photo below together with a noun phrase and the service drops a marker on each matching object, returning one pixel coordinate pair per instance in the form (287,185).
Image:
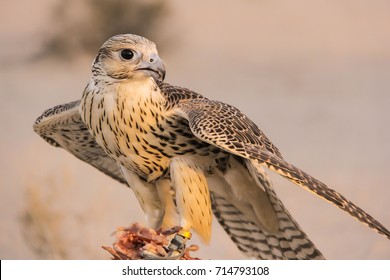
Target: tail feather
(253,239)
(289,243)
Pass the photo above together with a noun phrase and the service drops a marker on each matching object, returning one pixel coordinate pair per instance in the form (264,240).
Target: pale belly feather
(135,130)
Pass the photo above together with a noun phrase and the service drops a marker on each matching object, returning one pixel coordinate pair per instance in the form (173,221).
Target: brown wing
(61,126)
(227,128)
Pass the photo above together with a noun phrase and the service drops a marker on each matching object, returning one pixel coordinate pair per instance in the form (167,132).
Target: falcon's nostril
(151,60)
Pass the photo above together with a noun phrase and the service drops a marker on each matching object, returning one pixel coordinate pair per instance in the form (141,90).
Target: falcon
(185,156)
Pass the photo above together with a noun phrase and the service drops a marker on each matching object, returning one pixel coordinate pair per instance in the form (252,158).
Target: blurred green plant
(82,26)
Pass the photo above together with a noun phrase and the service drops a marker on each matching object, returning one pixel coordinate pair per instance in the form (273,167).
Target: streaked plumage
(184,155)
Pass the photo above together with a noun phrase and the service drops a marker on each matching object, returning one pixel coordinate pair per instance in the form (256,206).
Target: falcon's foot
(138,242)
(176,249)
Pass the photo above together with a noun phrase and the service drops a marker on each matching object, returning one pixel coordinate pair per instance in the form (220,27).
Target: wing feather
(257,243)
(287,241)
(229,129)
(61,126)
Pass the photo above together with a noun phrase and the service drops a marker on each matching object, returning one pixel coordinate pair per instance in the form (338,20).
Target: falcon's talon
(178,242)
(175,250)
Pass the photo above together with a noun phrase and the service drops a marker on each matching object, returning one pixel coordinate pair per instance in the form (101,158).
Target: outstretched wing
(61,126)
(226,127)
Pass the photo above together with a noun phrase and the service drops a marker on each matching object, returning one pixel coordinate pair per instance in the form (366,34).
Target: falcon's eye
(127,54)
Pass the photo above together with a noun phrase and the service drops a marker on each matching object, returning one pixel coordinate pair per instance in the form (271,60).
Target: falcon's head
(128,56)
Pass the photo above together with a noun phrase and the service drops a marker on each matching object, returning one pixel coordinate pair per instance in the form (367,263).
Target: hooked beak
(154,67)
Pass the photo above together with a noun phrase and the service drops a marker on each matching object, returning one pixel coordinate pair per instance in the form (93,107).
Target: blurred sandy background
(314,75)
